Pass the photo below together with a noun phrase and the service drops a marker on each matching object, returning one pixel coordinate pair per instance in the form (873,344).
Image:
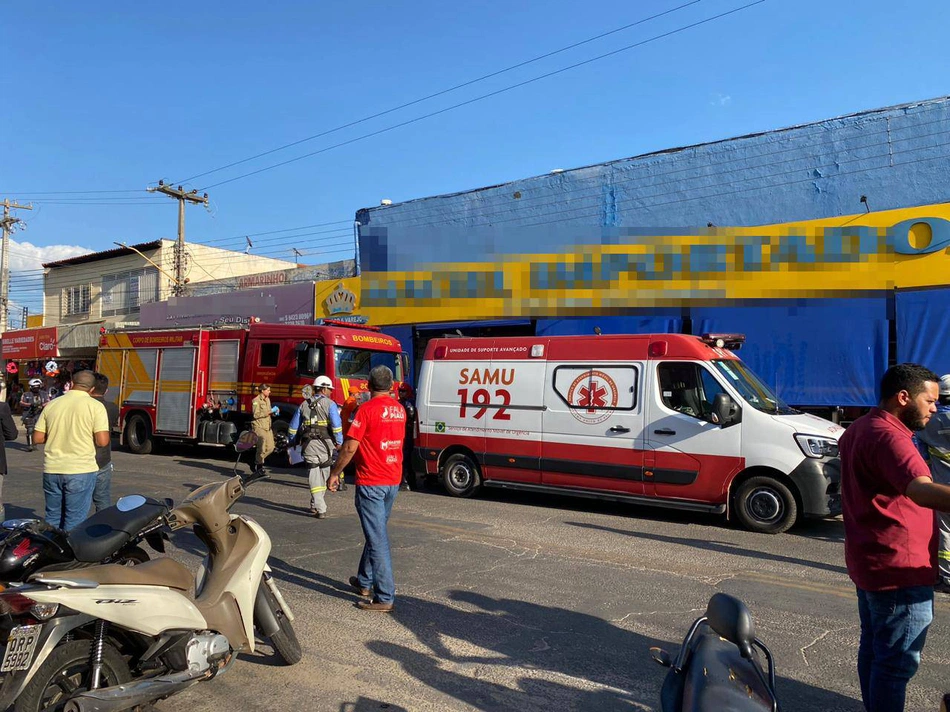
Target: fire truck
(195,384)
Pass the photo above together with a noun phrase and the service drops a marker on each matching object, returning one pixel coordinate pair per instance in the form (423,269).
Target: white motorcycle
(111,638)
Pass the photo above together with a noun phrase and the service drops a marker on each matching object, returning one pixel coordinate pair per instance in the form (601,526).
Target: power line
(443,91)
(490,94)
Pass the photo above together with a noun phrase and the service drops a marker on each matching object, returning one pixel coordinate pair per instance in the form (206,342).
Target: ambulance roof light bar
(733,342)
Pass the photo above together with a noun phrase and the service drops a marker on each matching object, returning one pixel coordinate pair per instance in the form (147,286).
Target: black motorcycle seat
(109,529)
(719,678)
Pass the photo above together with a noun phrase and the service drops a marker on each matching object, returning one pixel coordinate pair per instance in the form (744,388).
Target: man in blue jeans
(888,501)
(71,427)
(375,439)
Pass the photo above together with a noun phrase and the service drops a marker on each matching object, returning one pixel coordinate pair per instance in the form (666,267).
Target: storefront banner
(29,344)
(284,304)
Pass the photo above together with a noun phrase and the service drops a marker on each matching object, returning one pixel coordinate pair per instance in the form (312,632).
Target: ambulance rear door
(593,425)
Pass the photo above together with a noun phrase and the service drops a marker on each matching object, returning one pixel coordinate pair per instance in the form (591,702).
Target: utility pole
(182,197)
(7,222)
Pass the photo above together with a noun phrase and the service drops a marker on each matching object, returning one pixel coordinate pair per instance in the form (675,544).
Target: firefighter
(320,435)
(261,425)
(32,403)
(405,399)
(358,394)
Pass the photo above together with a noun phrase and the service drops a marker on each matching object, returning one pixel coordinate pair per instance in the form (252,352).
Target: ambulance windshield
(751,388)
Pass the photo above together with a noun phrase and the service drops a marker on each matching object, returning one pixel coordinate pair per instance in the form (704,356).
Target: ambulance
(671,420)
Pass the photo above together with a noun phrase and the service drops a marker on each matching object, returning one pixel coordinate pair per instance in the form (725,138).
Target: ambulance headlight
(815,446)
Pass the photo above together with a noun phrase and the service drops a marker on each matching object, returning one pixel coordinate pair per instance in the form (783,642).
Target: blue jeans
(374,504)
(68,498)
(102,494)
(893,630)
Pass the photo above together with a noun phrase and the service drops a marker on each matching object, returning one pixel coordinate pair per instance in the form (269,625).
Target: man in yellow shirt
(71,426)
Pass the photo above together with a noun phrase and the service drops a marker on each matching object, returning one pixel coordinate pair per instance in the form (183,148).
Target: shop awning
(28,344)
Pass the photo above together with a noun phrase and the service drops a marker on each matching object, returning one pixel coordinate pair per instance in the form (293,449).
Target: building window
(76,300)
(123,293)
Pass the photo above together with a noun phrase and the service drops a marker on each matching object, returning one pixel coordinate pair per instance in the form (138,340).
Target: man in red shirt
(375,439)
(888,499)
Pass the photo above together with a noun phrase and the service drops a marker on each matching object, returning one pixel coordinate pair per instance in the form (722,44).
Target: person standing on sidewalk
(72,427)
(888,500)
(321,435)
(374,440)
(261,412)
(102,494)
(935,441)
(9,430)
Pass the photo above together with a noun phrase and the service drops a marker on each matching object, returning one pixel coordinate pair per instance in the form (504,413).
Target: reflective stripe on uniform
(943,554)
(318,489)
(939,453)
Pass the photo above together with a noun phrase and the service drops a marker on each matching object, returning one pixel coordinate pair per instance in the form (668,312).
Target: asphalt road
(510,601)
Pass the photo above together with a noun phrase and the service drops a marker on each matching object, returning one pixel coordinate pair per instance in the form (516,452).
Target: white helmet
(36,383)
(944,385)
(322,382)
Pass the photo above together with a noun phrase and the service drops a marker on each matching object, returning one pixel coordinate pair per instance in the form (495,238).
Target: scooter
(717,667)
(110,536)
(111,638)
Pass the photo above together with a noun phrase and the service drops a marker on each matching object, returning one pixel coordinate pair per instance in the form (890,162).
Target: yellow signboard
(844,256)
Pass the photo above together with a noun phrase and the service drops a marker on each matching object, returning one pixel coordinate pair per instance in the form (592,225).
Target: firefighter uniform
(321,432)
(261,425)
(936,440)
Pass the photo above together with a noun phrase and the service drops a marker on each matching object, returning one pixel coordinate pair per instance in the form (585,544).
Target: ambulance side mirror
(725,411)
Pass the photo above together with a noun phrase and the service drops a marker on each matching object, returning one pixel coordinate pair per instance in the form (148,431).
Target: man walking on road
(888,498)
(102,494)
(321,435)
(935,439)
(72,427)
(261,425)
(375,439)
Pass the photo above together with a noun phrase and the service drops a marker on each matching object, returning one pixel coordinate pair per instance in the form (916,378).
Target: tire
(138,434)
(284,640)
(765,505)
(460,475)
(131,557)
(68,666)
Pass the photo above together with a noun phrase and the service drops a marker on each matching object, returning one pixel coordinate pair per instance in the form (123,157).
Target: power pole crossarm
(7,223)
(182,196)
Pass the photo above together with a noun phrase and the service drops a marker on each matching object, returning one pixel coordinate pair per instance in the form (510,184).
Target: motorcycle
(111,638)
(110,536)
(718,667)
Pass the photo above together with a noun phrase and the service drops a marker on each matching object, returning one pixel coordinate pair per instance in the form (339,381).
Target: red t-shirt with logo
(889,541)
(379,426)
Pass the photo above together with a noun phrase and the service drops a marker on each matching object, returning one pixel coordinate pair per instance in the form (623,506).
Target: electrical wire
(486,96)
(442,92)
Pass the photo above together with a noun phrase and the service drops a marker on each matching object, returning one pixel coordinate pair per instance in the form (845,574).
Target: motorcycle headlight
(816,446)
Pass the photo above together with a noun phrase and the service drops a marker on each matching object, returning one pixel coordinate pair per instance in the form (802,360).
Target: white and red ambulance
(664,419)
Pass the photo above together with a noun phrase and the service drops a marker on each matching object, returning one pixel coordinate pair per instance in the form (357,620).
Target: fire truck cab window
(357,363)
(270,355)
(688,388)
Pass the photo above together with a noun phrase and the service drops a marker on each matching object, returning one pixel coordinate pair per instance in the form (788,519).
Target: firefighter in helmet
(32,402)
(320,432)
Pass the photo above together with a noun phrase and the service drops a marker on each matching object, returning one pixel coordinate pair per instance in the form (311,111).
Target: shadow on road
(567,660)
(720,546)
(364,704)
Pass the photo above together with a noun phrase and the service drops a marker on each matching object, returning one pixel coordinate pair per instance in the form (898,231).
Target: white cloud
(27,256)
(721,100)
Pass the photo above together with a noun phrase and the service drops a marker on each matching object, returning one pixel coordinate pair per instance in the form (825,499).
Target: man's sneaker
(355,583)
(375,606)
(254,476)
(320,515)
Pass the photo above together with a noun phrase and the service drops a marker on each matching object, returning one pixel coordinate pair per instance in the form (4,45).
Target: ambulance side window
(688,388)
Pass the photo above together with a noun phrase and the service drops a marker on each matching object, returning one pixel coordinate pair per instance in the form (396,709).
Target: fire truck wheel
(460,475)
(138,434)
(763,504)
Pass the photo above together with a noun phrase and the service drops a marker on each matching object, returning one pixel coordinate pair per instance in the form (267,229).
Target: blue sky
(110,96)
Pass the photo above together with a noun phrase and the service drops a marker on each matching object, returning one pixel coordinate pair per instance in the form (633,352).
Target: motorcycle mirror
(661,656)
(17,523)
(132,501)
(732,620)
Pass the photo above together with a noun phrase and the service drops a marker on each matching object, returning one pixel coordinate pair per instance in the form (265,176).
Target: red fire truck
(196,384)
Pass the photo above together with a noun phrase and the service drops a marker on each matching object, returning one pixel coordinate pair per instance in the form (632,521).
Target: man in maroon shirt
(888,499)
(375,439)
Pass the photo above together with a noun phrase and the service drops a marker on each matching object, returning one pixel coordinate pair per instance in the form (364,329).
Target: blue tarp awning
(621,324)
(923,328)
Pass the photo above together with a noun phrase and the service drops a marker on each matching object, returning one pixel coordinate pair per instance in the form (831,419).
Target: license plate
(20,647)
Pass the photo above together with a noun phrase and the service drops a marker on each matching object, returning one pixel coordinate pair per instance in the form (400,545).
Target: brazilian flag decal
(440,427)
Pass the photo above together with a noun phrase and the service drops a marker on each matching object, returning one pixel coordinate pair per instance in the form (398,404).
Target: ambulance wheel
(763,504)
(138,434)
(460,475)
